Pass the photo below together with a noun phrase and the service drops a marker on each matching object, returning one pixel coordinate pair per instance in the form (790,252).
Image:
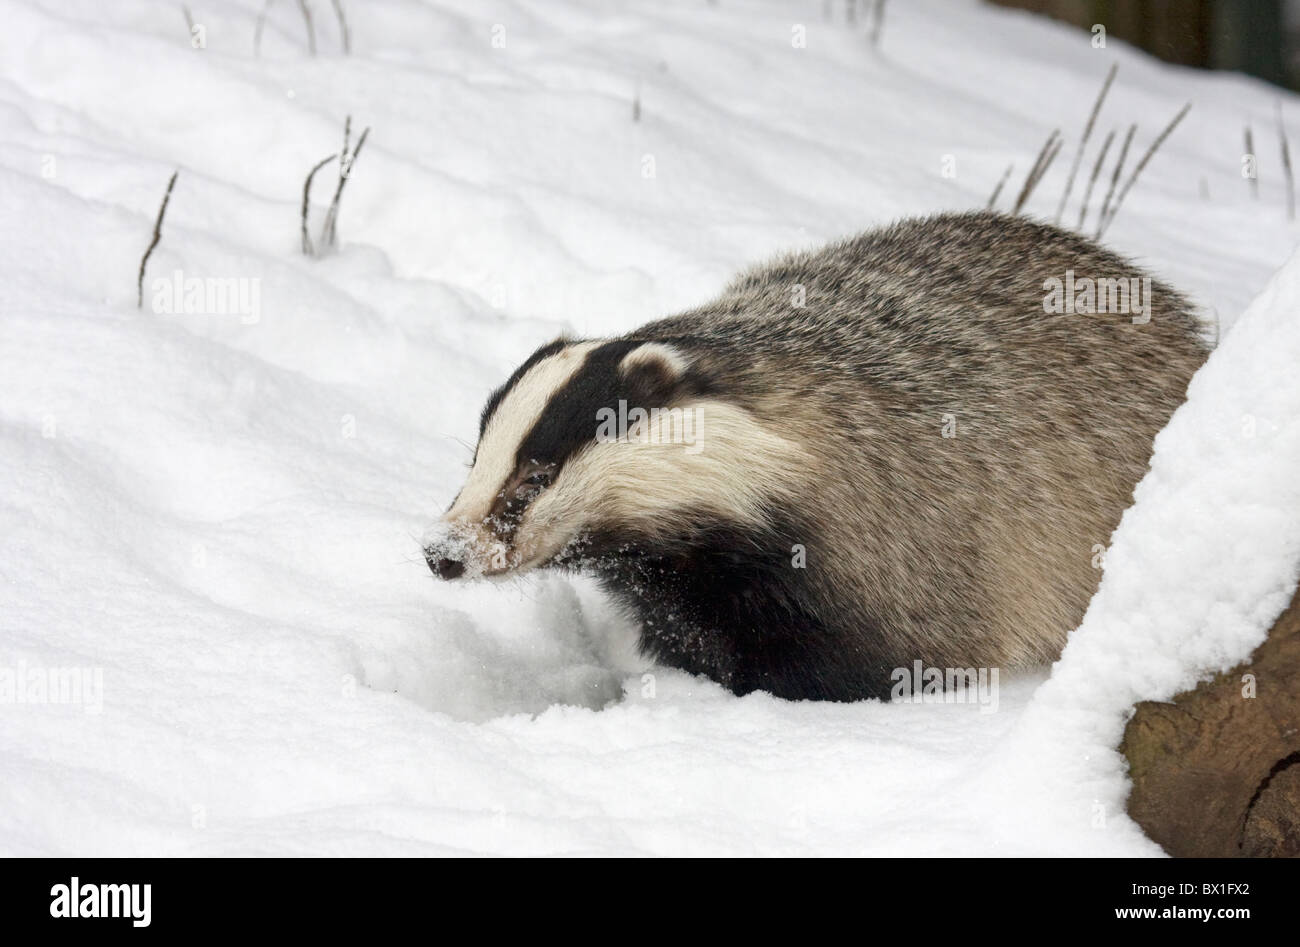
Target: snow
(216,515)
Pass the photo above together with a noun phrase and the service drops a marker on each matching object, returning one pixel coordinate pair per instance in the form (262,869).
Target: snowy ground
(215,515)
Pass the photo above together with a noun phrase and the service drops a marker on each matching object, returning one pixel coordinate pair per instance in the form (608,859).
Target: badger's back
(966,453)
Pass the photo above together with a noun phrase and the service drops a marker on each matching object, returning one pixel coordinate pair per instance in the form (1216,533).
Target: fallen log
(1216,771)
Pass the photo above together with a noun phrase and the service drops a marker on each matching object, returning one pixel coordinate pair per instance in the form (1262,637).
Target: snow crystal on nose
(443,538)
(465,544)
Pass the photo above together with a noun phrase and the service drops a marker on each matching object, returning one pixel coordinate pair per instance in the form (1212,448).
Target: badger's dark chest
(742,618)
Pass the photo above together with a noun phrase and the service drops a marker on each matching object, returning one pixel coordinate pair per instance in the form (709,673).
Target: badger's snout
(450,552)
(444,567)
(455,550)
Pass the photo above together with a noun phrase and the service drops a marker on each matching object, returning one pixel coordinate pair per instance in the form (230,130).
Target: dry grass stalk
(157,235)
(1083,142)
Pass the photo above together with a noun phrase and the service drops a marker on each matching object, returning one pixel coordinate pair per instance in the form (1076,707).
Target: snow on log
(1216,772)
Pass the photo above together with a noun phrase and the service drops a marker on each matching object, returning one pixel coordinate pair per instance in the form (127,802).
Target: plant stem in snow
(993,198)
(1137,169)
(1083,142)
(1286,165)
(1114,179)
(311,30)
(329,232)
(307,248)
(157,235)
(1092,181)
(343,27)
(1045,157)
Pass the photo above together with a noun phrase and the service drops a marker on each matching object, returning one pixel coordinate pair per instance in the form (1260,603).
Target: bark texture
(1216,773)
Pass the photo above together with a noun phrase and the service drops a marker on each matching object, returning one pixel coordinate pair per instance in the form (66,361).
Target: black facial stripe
(506,515)
(509,507)
(495,399)
(568,421)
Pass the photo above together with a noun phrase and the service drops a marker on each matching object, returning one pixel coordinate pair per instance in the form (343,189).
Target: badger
(898,448)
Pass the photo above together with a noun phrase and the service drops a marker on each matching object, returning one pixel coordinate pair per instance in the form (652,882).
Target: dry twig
(1286,165)
(344,32)
(329,233)
(1092,181)
(1137,169)
(1083,142)
(1114,179)
(311,30)
(307,248)
(1044,160)
(993,198)
(157,235)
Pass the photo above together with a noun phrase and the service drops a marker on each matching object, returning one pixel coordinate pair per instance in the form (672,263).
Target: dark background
(1258,37)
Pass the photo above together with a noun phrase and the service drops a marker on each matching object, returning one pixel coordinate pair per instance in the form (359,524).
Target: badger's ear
(654,369)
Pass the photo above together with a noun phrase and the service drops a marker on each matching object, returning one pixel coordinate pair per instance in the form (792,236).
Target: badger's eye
(535,478)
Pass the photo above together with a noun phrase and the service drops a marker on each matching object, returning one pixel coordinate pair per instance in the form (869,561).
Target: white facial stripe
(509,425)
(732,469)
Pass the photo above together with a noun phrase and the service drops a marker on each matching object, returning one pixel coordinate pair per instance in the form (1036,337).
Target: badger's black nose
(445,568)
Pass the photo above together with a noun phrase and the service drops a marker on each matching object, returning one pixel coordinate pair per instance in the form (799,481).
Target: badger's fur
(899,456)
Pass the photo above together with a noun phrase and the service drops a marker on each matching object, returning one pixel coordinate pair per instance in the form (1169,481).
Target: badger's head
(597,448)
